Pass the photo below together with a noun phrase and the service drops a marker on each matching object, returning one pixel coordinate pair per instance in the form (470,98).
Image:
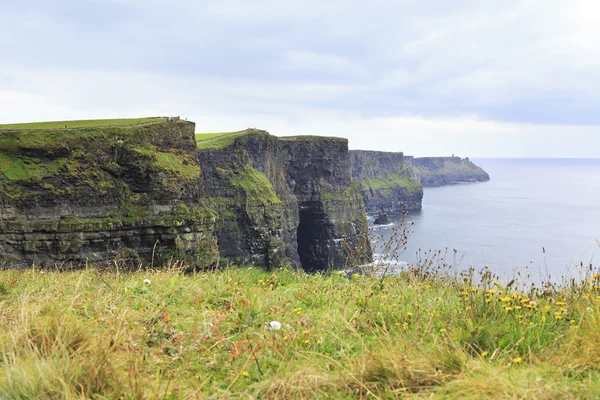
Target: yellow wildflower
(245,373)
(517,360)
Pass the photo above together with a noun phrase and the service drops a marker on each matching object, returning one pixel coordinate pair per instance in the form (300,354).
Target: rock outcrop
(438,171)
(394,182)
(285,200)
(386,180)
(71,196)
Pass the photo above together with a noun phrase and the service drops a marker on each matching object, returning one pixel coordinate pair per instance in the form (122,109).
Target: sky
(478,78)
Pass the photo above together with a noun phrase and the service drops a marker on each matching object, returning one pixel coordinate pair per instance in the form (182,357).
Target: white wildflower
(275,325)
(146,281)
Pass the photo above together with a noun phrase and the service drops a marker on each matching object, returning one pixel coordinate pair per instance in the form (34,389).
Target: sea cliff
(147,194)
(78,195)
(394,181)
(438,171)
(285,200)
(386,180)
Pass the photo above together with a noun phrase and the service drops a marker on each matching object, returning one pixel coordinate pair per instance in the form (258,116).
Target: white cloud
(476,77)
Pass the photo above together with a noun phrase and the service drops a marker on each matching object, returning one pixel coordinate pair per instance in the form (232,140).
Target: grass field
(92,123)
(207,136)
(217,140)
(165,334)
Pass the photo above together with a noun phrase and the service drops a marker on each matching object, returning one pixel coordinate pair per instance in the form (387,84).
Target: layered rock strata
(386,181)
(71,196)
(285,200)
(438,171)
(394,182)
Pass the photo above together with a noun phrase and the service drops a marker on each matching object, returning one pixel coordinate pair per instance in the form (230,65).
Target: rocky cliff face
(76,195)
(437,171)
(285,200)
(386,180)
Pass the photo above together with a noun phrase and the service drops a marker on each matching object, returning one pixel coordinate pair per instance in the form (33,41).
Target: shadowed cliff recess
(284,200)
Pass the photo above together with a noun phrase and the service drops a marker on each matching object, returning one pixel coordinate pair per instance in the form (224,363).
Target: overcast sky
(427,77)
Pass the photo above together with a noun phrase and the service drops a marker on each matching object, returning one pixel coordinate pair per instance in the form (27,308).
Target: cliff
(145,192)
(386,181)
(73,195)
(393,181)
(437,171)
(285,200)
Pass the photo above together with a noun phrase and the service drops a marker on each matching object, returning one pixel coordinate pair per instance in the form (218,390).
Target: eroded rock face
(72,196)
(286,200)
(438,171)
(145,194)
(386,180)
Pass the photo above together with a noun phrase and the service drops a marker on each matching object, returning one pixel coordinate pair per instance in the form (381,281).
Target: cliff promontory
(285,200)
(386,180)
(77,195)
(437,171)
(145,192)
(394,182)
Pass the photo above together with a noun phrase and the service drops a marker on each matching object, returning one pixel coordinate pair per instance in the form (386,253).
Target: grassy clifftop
(93,153)
(164,334)
(90,123)
(95,193)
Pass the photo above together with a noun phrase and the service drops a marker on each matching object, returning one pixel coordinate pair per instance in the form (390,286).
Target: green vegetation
(390,181)
(181,165)
(71,161)
(206,136)
(253,184)
(315,139)
(219,141)
(91,123)
(164,334)
(30,169)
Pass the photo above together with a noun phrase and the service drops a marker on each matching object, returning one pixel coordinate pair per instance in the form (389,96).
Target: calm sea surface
(529,205)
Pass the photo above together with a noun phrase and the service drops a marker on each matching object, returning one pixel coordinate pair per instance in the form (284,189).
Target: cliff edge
(438,171)
(285,200)
(94,194)
(386,181)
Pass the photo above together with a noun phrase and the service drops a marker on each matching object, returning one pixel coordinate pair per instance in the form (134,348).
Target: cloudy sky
(427,77)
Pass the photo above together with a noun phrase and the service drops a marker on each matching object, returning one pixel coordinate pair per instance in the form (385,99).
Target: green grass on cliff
(390,181)
(253,185)
(219,140)
(91,123)
(101,335)
(200,137)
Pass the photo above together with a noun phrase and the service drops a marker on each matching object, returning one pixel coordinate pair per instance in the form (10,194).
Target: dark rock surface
(393,181)
(438,171)
(386,180)
(382,219)
(71,196)
(286,200)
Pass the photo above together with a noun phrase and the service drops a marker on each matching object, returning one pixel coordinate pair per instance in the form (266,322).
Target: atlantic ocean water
(536,215)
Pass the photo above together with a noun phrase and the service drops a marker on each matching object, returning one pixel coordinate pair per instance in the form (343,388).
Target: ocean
(535,216)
